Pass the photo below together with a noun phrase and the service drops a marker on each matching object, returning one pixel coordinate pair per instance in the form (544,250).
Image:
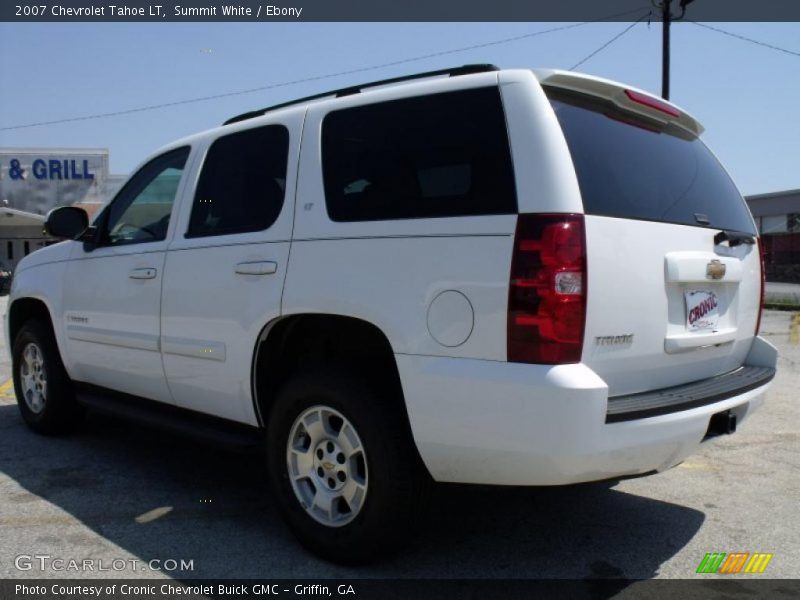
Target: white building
(778,218)
(35,180)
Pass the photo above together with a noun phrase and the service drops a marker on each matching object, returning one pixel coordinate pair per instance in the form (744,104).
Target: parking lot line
(7,389)
(794,329)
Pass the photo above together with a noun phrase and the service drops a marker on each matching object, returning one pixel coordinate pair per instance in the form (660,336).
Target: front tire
(342,467)
(45,395)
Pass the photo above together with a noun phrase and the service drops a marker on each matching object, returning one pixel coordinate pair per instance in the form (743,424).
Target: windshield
(638,170)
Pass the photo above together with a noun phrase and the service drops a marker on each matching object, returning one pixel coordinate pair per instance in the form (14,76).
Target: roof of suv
(645,105)
(624,97)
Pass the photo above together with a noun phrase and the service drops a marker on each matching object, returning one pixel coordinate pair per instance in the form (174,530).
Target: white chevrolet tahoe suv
(486,276)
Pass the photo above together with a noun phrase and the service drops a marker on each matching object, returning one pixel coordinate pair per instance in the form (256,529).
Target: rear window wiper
(734,238)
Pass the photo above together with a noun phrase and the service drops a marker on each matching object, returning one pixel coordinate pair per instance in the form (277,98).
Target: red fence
(782,256)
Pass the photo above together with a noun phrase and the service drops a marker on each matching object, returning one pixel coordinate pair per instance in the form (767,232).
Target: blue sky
(746,96)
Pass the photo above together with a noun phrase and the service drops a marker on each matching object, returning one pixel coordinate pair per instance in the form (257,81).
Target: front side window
(141,210)
(441,155)
(242,184)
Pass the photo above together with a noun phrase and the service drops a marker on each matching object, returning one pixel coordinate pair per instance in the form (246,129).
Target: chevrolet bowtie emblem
(715,269)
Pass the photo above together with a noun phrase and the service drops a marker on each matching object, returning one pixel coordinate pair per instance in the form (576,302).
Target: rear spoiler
(627,99)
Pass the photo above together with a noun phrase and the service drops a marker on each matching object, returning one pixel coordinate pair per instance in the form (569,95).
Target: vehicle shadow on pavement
(110,477)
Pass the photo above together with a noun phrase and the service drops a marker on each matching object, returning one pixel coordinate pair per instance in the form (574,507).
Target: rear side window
(640,171)
(243,182)
(442,155)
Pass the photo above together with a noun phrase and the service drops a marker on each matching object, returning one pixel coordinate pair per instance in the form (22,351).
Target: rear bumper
(690,395)
(513,424)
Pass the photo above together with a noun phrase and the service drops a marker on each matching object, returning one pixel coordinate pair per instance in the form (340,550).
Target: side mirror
(66,222)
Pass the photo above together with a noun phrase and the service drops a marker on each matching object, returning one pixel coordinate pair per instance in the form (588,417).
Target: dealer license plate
(702,310)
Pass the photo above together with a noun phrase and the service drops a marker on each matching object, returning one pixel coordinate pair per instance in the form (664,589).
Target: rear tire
(44,391)
(342,467)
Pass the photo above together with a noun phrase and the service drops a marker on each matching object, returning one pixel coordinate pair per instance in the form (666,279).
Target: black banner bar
(709,588)
(386,10)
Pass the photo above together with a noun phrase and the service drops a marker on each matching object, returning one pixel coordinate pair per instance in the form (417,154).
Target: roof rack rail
(355,89)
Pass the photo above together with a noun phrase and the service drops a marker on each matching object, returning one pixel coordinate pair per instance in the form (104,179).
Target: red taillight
(651,102)
(547,291)
(763,283)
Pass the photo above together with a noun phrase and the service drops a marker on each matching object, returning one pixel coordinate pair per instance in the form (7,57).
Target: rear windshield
(637,170)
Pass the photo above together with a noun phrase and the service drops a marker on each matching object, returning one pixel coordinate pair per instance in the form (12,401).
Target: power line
(317,77)
(609,42)
(745,38)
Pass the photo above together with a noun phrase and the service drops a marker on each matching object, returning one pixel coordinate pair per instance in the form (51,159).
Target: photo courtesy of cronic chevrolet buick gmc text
(506,277)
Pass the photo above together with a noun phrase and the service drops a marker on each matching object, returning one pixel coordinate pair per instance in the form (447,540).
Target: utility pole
(666,17)
(666,20)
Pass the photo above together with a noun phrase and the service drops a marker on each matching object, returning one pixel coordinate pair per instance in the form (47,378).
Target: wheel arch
(292,342)
(24,309)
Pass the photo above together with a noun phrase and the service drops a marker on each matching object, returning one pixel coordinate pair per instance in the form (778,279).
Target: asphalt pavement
(116,492)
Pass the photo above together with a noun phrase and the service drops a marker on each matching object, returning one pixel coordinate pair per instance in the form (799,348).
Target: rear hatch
(673,267)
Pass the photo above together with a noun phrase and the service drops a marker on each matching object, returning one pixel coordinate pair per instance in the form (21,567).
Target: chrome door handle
(146,273)
(258,267)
